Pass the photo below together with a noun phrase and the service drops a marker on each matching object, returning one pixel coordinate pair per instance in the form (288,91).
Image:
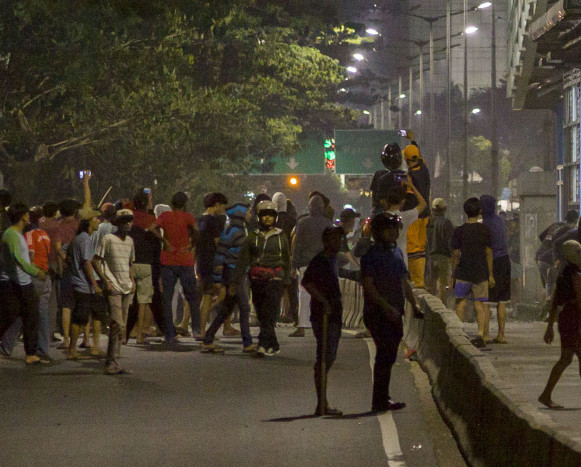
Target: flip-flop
(78,357)
(496,341)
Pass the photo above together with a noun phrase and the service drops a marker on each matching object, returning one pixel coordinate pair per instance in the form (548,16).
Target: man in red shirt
(177,259)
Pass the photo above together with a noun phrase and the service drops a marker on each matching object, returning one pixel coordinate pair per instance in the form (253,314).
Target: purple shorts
(478,292)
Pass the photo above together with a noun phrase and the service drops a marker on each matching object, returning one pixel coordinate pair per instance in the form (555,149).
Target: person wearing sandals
(266,252)
(568,295)
(17,289)
(88,295)
(321,281)
(117,255)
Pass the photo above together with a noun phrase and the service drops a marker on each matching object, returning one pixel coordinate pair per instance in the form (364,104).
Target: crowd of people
(121,267)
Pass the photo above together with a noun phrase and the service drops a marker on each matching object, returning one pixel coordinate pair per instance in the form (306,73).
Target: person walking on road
(384,278)
(321,281)
(568,295)
(266,252)
(231,242)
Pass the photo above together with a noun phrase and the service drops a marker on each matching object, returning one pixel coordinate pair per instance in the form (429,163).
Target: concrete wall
(492,422)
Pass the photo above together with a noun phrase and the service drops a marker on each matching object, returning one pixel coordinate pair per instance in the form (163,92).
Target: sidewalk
(525,363)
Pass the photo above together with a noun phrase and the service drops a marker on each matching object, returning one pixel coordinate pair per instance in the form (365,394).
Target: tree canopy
(174,91)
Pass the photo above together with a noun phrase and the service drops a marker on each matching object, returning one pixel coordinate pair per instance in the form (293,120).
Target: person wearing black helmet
(391,177)
(385,282)
(266,252)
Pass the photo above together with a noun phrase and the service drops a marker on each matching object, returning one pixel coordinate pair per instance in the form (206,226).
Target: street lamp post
(494,149)
(465,152)
(448,191)
(410,98)
(399,102)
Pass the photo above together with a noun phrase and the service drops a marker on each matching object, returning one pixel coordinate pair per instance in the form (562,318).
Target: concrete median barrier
(493,424)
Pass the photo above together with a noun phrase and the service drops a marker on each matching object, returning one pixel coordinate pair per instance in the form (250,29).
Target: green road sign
(359,151)
(310,159)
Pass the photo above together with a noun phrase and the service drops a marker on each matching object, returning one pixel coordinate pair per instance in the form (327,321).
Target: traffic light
(330,154)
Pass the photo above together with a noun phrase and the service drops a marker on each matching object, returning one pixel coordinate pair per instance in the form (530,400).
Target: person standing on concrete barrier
(439,232)
(385,282)
(321,281)
(500,293)
(567,294)
(472,266)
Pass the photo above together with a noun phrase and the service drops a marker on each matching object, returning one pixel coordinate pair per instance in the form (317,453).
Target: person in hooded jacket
(306,244)
(500,293)
(229,246)
(287,221)
(266,253)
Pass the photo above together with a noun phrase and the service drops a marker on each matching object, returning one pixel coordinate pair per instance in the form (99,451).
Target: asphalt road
(187,408)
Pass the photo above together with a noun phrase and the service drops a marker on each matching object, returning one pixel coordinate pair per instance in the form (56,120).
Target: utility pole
(448,191)
(465,168)
(494,188)
(422,94)
(389,127)
(399,103)
(410,102)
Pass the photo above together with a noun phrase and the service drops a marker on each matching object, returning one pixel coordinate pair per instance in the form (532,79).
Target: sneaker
(250,348)
(271,352)
(260,352)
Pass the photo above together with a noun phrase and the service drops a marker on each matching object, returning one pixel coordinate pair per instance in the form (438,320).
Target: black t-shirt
(147,246)
(472,240)
(375,185)
(209,229)
(322,273)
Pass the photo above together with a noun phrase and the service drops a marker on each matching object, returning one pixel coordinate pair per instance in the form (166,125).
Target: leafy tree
(167,91)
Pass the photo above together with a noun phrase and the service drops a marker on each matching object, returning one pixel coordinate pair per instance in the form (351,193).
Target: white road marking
(388,429)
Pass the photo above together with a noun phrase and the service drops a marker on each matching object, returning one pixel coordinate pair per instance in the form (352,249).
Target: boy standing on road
(321,281)
(472,266)
(117,254)
(385,282)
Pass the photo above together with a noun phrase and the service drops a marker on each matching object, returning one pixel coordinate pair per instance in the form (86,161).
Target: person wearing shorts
(87,294)
(500,293)
(472,266)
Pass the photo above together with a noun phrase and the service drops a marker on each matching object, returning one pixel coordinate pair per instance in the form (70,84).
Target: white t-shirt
(118,255)
(407,219)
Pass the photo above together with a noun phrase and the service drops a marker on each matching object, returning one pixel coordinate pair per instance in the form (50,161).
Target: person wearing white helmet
(266,253)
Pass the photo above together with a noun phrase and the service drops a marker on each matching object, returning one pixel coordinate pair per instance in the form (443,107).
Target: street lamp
(402,96)
(484,5)
(351,69)
(476,111)
(372,32)
(358,57)
(471,30)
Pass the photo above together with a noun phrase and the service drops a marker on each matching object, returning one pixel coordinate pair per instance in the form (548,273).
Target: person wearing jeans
(229,247)
(266,251)
(18,291)
(177,259)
